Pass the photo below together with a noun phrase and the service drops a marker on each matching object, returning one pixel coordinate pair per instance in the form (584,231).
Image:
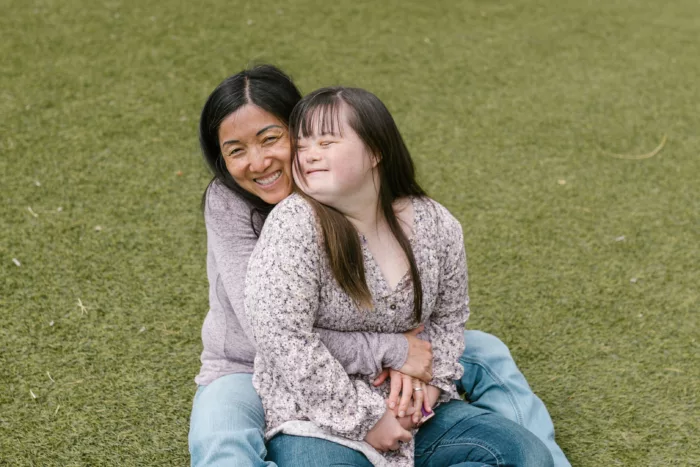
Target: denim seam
(462,442)
(501,384)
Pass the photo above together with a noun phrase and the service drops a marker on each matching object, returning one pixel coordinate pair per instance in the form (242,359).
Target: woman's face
(335,167)
(256,149)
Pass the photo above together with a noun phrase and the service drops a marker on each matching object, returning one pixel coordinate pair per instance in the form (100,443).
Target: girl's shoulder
(293,204)
(434,215)
(292,217)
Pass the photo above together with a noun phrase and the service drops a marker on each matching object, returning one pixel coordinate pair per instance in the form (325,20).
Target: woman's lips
(269,180)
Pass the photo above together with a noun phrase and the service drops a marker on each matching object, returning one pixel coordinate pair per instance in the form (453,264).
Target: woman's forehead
(247,122)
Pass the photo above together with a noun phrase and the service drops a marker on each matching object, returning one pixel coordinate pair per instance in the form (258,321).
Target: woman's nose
(259,162)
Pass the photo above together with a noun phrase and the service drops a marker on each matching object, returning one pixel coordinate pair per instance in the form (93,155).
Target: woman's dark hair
(320,112)
(265,86)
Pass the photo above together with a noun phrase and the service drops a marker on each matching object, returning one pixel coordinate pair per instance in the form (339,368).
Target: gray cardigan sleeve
(232,239)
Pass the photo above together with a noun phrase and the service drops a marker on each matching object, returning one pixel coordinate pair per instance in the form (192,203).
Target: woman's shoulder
(218,198)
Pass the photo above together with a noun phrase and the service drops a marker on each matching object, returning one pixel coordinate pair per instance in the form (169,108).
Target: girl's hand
(419,361)
(400,386)
(432,394)
(412,393)
(386,434)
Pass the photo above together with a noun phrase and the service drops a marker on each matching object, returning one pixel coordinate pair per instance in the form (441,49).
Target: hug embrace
(338,298)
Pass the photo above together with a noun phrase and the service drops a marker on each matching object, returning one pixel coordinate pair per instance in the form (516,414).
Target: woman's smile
(269,180)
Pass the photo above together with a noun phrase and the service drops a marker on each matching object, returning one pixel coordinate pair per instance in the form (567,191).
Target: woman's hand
(386,434)
(419,361)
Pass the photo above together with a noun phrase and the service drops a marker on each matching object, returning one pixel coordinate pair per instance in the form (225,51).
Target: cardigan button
(392,306)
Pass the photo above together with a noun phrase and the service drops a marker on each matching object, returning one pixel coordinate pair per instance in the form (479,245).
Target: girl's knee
(534,453)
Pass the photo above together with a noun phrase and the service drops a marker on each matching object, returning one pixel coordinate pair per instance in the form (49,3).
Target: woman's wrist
(397,351)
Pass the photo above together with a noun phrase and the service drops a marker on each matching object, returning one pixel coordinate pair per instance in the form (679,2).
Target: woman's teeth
(270,179)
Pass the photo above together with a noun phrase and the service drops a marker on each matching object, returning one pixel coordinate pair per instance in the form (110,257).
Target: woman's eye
(270,139)
(236,152)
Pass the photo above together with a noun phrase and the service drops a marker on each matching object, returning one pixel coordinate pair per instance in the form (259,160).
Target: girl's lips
(309,172)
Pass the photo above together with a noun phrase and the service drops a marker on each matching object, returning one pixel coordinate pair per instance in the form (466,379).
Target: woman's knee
(479,344)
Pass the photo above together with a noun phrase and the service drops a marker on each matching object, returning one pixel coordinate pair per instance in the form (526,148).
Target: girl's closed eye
(325,144)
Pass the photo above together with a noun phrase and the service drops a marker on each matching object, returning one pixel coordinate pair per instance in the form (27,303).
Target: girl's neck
(362,207)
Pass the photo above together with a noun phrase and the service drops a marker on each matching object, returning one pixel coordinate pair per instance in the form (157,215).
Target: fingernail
(392,405)
(402,413)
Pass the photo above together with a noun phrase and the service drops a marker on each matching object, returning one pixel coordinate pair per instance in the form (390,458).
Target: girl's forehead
(323,120)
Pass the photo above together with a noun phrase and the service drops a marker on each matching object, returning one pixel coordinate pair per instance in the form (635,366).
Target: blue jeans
(459,435)
(227,421)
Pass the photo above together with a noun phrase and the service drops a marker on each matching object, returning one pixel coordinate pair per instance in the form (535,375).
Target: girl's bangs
(320,116)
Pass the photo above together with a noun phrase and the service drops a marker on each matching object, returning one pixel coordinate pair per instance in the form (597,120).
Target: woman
(243,134)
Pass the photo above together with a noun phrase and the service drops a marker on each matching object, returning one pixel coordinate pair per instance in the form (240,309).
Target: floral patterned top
(290,289)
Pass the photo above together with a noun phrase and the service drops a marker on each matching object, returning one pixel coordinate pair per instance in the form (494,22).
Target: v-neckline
(383,283)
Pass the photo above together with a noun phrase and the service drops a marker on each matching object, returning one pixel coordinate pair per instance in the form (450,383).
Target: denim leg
(466,436)
(299,451)
(493,382)
(227,423)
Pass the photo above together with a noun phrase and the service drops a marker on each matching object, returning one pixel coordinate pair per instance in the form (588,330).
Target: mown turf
(584,264)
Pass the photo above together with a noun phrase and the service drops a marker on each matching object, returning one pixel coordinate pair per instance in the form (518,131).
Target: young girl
(361,248)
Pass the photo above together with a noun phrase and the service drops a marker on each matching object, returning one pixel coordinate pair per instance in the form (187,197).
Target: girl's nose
(311,154)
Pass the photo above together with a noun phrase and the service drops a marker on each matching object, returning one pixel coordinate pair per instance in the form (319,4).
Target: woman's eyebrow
(267,128)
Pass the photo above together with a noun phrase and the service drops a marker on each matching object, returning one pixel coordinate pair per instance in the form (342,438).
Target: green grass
(498,102)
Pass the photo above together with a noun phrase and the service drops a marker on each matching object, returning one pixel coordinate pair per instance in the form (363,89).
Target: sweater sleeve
(282,299)
(446,323)
(232,239)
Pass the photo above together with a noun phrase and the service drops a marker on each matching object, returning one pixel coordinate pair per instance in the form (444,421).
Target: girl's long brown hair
(320,112)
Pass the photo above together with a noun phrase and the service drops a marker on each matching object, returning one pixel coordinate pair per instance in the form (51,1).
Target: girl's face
(257,153)
(335,166)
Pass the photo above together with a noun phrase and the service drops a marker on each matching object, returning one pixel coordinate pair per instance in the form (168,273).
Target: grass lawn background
(584,264)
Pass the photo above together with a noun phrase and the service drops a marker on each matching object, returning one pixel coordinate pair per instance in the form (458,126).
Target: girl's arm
(282,299)
(445,325)
(231,239)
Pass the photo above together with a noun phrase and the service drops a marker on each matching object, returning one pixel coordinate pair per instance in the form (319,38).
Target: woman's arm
(445,325)
(282,299)
(231,239)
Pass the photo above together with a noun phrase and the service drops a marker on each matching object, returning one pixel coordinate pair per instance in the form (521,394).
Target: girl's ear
(376,159)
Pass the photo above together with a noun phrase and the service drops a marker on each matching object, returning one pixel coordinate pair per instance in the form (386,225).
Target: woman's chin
(283,190)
